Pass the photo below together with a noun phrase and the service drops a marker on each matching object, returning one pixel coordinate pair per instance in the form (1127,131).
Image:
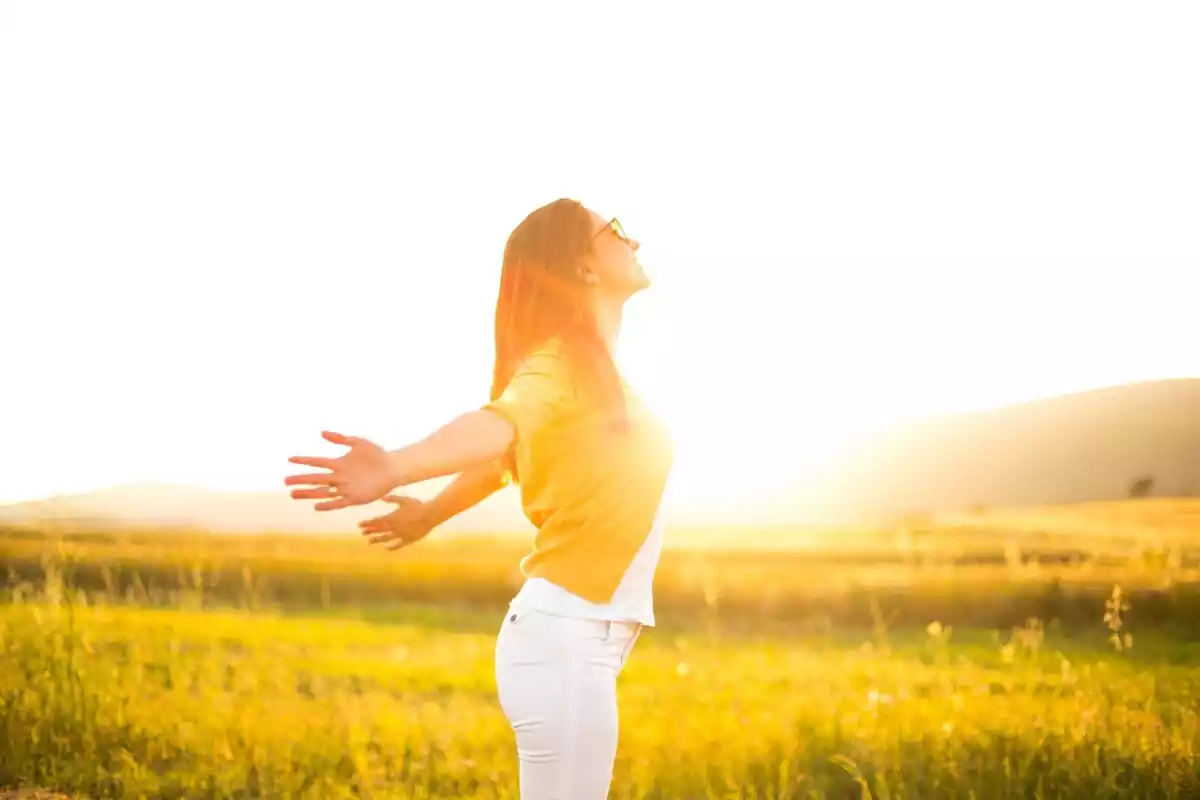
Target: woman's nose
(635,244)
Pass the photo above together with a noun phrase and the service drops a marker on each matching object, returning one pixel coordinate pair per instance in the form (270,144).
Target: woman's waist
(542,594)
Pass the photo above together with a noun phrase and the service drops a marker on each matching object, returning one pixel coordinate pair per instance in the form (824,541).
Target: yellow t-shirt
(592,491)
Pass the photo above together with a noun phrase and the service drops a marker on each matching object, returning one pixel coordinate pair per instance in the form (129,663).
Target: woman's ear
(586,275)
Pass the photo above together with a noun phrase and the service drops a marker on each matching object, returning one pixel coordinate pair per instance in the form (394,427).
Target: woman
(591,462)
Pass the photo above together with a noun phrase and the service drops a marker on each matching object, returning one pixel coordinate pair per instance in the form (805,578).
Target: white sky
(227,225)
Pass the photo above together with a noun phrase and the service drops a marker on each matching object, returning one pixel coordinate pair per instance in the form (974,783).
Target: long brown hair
(543,295)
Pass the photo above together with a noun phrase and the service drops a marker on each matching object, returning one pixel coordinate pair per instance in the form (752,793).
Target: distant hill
(1084,447)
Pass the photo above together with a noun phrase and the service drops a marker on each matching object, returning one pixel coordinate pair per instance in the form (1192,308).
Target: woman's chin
(634,287)
(631,284)
(641,280)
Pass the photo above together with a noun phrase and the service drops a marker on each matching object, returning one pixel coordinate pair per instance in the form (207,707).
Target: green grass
(194,686)
(135,702)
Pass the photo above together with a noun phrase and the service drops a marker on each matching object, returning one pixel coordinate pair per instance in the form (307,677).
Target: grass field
(936,659)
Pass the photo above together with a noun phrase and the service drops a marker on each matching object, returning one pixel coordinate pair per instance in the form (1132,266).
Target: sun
(734,449)
(738,440)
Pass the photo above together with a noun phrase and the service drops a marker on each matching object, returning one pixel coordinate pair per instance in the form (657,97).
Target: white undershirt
(633,599)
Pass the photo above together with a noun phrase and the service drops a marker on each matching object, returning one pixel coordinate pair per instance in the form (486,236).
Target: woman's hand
(409,523)
(361,476)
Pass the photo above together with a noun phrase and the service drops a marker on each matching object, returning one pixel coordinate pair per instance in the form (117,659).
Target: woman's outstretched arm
(467,490)
(414,519)
(368,472)
(537,392)
(471,439)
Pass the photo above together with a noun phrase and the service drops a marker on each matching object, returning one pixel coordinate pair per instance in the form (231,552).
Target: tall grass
(130,702)
(210,683)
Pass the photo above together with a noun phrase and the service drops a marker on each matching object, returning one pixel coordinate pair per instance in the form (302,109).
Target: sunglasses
(615,226)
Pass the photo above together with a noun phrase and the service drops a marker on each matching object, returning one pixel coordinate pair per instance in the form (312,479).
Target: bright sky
(227,225)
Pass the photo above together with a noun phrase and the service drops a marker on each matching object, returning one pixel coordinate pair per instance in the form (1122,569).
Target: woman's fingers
(338,438)
(393,541)
(334,505)
(312,479)
(315,461)
(319,493)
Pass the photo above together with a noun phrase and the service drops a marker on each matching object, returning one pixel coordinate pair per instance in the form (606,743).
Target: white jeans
(557,682)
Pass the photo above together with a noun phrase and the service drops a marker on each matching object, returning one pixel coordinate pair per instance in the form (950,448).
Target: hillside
(1076,448)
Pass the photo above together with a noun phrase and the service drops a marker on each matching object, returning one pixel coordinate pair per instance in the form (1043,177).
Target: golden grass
(333,671)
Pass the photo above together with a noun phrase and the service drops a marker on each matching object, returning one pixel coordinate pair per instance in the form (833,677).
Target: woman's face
(612,261)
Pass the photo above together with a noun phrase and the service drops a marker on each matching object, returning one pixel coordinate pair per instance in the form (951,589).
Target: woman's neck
(608,310)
